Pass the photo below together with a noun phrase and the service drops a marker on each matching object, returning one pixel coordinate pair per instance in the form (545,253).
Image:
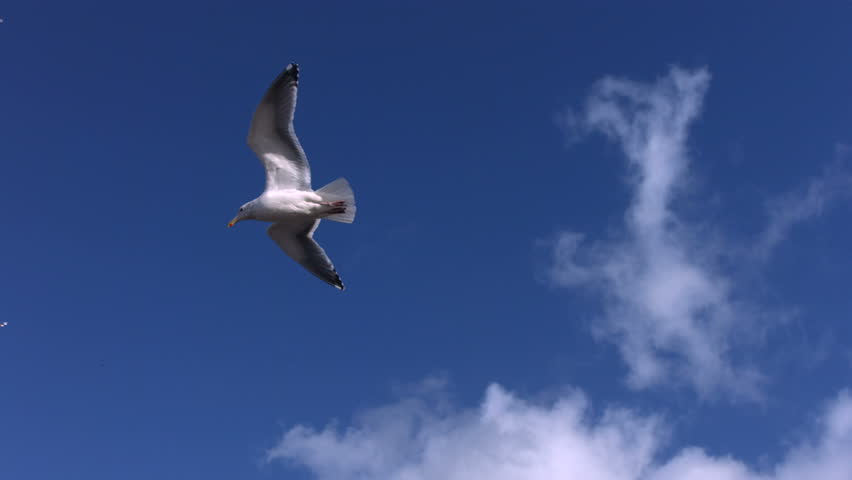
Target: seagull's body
(289,201)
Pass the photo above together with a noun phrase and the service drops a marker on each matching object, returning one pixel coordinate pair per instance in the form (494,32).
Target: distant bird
(4,324)
(289,201)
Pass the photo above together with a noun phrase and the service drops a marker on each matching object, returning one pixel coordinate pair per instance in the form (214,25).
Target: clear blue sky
(146,340)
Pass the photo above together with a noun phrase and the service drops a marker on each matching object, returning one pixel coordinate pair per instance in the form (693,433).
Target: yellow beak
(233,222)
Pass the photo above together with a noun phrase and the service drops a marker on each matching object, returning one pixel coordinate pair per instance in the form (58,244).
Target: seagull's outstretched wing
(296,239)
(273,139)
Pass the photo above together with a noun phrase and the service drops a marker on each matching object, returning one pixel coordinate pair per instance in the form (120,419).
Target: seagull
(289,202)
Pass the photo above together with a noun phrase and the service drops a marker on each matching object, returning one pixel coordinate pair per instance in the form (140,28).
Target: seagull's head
(245,213)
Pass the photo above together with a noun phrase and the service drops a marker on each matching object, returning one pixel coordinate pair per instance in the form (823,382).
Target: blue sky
(592,240)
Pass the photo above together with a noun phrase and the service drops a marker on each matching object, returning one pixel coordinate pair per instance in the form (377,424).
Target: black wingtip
(338,283)
(291,72)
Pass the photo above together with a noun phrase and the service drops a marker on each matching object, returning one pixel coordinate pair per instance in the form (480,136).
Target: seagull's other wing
(296,239)
(273,139)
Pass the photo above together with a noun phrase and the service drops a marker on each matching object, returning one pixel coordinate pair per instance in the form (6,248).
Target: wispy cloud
(668,307)
(669,304)
(422,437)
(786,211)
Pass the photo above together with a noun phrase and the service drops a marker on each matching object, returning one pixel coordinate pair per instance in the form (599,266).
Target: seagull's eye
(242,208)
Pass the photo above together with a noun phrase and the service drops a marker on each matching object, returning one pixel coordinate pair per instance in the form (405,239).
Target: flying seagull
(288,201)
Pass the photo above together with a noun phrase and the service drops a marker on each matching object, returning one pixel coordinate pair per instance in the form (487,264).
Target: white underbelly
(289,205)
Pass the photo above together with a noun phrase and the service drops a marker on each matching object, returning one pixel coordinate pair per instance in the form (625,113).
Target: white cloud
(668,304)
(668,307)
(798,206)
(421,437)
(828,457)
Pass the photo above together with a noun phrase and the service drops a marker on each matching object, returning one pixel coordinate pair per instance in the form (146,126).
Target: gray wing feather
(273,138)
(297,241)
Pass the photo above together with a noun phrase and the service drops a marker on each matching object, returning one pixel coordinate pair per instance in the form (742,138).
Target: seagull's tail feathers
(340,191)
